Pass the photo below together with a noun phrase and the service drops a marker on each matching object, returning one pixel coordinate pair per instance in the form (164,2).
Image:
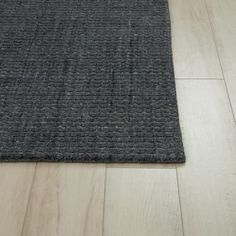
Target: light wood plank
(142,202)
(207,182)
(142,165)
(223,18)
(15,185)
(67,199)
(194,51)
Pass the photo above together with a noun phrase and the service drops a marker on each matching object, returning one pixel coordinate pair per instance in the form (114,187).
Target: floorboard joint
(180,205)
(29,199)
(104,200)
(219,58)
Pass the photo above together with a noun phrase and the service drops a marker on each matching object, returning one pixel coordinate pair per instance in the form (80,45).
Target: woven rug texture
(87,81)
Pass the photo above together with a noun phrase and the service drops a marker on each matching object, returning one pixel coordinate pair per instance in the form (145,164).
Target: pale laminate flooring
(193,199)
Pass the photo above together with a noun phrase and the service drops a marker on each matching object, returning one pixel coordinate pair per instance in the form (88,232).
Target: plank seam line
(180,205)
(219,58)
(104,200)
(29,199)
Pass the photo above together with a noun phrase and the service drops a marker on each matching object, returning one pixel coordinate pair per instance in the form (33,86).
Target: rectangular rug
(87,81)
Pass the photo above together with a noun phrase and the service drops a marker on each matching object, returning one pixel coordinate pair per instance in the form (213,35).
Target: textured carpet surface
(87,81)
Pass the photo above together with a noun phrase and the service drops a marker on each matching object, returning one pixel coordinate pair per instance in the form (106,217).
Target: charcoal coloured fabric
(87,81)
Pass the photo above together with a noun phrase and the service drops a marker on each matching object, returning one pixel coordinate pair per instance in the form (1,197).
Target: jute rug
(87,81)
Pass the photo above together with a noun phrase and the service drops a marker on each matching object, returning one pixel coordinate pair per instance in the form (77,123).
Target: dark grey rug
(87,81)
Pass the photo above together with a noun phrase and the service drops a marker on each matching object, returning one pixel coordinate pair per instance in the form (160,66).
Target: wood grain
(223,18)
(208,180)
(142,202)
(141,165)
(67,199)
(193,45)
(15,186)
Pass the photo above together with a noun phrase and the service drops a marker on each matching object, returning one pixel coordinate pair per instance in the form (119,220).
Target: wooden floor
(193,199)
